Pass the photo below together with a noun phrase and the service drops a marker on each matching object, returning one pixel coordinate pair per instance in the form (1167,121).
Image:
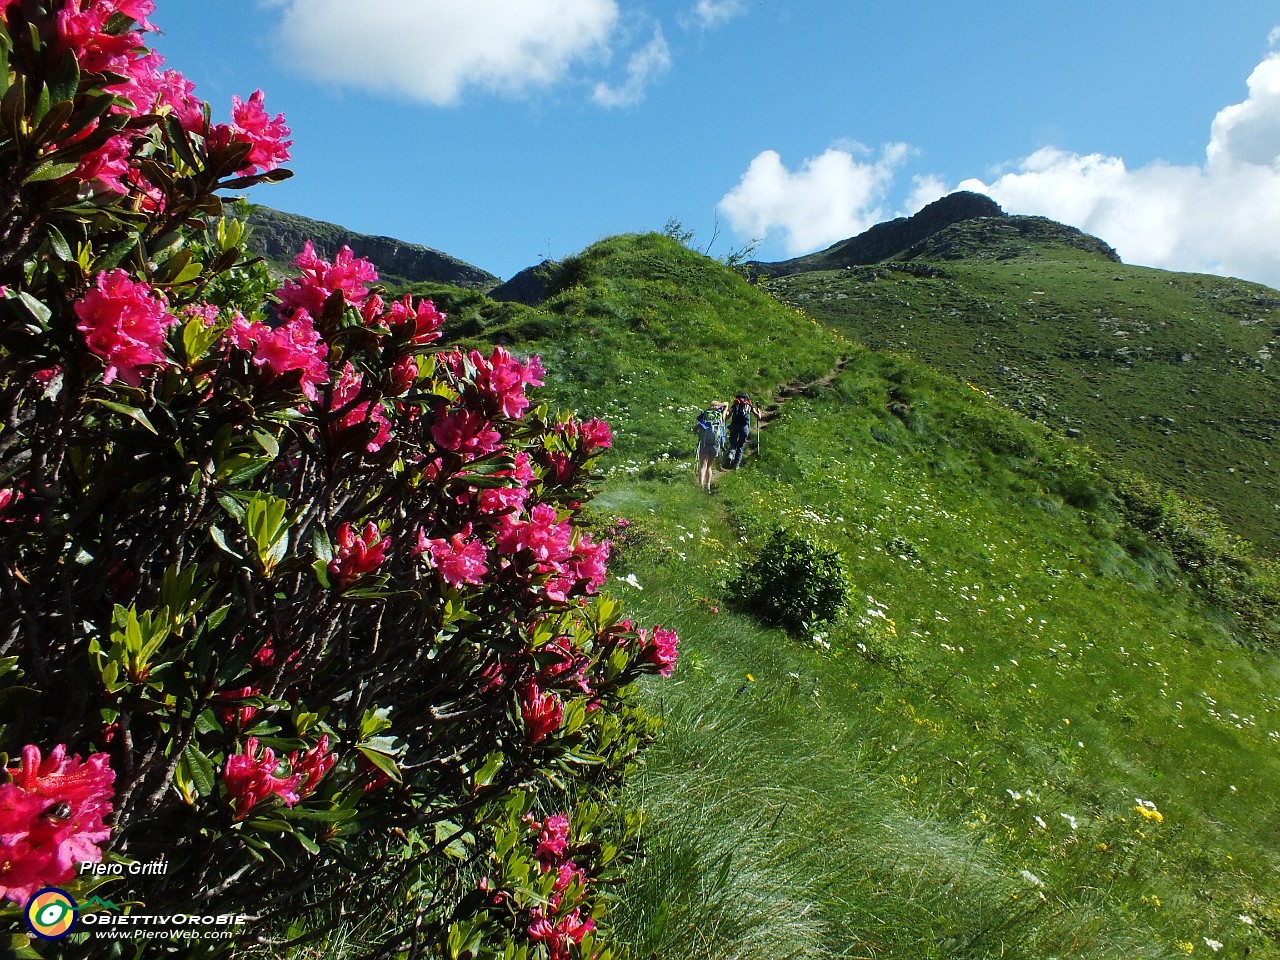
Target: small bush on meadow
(796,581)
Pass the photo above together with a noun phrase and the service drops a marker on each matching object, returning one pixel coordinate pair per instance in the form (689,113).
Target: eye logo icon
(51,914)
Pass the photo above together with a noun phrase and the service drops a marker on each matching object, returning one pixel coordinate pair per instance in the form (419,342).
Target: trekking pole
(758,432)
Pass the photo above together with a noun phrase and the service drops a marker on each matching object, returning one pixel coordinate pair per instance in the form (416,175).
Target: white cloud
(1219,217)
(432,50)
(830,197)
(650,61)
(711,13)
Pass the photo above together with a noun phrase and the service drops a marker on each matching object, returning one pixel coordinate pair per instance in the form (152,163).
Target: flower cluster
(552,925)
(252,775)
(52,819)
(124,322)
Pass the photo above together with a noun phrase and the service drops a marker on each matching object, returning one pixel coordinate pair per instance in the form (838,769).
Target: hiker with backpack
(709,428)
(739,419)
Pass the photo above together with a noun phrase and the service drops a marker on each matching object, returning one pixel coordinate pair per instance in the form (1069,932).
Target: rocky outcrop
(530,286)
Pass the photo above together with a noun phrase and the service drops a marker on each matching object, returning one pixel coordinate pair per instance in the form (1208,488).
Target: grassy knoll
(1036,733)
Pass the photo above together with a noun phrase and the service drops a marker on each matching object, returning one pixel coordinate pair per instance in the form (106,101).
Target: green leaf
(39,310)
(201,770)
(58,245)
(116,253)
(132,413)
(220,539)
(380,760)
(48,170)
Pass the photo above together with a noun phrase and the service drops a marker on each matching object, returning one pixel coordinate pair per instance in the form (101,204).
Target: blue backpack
(710,431)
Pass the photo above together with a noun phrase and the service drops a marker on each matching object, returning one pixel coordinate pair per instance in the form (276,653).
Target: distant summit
(886,240)
(280,236)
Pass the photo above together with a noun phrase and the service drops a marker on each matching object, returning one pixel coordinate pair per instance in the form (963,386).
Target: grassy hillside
(1048,724)
(1172,374)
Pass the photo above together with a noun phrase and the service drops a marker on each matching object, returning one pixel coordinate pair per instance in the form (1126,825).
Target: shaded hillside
(1172,374)
(885,240)
(279,236)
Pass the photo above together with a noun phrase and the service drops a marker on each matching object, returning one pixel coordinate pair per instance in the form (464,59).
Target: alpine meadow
(357,604)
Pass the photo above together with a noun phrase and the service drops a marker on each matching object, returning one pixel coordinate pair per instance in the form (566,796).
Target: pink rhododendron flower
(250,122)
(250,777)
(459,559)
(124,323)
(51,819)
(177,94)
(345,391)
(595,434)
(421,324)
(542,711)
(553,841)
(464,431)
(544,534)
(107,167)
(358,553)
(320,279)
(504,378)
(589,562)
(268,148)
(495,500)
(295,345)
(660,650)
(558,935)
(312,765)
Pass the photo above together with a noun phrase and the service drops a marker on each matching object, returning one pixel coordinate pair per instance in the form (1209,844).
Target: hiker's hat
(742,396)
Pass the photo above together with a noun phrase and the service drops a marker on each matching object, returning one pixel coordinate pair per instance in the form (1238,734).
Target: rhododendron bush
(290,596)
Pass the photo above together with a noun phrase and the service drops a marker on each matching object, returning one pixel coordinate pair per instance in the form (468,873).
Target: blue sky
(507,131)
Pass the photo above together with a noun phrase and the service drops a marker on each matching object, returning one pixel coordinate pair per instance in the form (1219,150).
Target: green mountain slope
(1172,374)
(1048,724)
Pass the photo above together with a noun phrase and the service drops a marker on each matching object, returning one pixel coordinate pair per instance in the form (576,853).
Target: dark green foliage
(796,581)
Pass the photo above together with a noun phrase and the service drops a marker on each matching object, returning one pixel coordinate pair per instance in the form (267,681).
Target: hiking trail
(778,399)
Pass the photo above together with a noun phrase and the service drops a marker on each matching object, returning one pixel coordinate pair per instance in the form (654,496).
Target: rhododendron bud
(242,714)
(357,554)
(124,322)
(403,375)
(251,777)
(52,819)
(542,712)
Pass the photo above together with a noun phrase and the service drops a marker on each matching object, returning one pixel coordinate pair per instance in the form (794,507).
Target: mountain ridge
(279,236)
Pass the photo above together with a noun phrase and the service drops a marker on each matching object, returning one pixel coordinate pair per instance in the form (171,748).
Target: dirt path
(779,399)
